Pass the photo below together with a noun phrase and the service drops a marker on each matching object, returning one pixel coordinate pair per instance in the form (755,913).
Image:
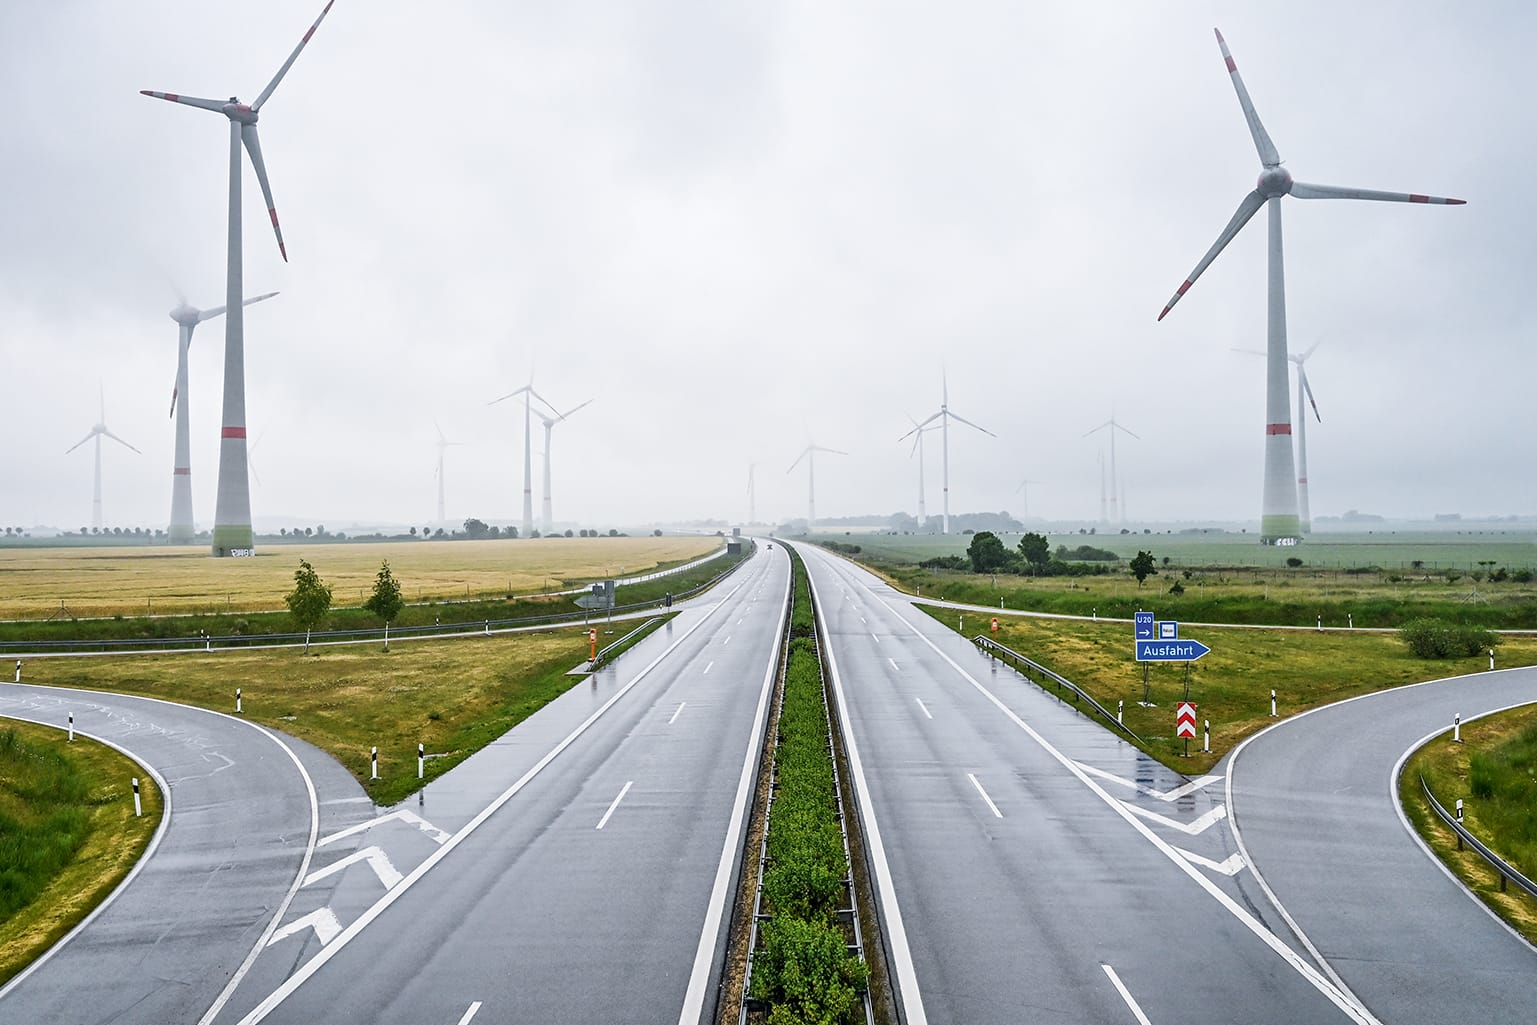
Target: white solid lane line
(894,664)
(707,669)
(924,707)
(677,713)
(976,783)
(622,791)
(475,1007)
(1120,987)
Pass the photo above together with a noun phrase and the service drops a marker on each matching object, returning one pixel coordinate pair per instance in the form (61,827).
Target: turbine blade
(1305,355)
(218,311)
(120,441)
(1123,430)
(504,398)
(804,453)
(567,414)
(1303,377)
(77,444)
(1267,151)
(192,101)
(253,147)
(1248,352)
(1303,190)
(956,416)
(174,392)
(291,58)
(918,427)
(1247,209)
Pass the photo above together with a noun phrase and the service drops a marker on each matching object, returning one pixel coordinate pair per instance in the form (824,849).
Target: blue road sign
(1144,625)
(1170,651)
(1168,630)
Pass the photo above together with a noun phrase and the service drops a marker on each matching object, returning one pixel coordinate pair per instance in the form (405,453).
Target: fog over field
(743,229)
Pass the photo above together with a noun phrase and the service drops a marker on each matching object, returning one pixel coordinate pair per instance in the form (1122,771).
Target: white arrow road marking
(1162,795)
(925,709)
(474,1008)
(1229,866)
(322,920)
(1120,987)
(376,858)
(989,800)
(1195,828)
(408,817)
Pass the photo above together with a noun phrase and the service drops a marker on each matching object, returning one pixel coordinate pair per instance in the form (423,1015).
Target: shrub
(1435,638)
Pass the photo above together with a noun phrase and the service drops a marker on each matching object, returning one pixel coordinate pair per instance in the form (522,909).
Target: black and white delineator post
(72,727)
(1207,748)
(138,808)
(1457,729)
(421,760)
(1119,708)
(237,700)
(373,759)
(1491,665)
(1272,703)
(18,666)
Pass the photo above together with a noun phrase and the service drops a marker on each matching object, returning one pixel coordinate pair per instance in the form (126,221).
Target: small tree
(1036,551)
(1143,567)
(987,553)
(309,601)
(386,601)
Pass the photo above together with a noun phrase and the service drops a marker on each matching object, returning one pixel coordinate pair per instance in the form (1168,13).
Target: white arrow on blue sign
(1144,625)
(1170,651)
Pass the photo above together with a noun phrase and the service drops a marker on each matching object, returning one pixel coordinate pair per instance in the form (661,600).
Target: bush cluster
(1436,638)
(802,968)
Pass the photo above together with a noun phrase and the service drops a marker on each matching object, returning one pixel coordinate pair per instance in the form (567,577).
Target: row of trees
(310,601)
(988,554)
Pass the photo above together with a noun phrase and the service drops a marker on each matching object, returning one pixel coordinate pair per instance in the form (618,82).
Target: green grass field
(68,834)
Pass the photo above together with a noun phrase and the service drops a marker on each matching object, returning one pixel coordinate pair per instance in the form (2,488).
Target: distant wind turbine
(180,531)
(1115,515)
(1279,522)
(919,432)
(1024,488)
(549,424)
(443,444)
(232,532)
(98,432)
(809,453)
(752,495)
(1303,389)
(527,391)
(944,416)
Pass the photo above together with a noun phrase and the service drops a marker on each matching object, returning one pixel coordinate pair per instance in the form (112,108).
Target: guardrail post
(1457,737)
(138,809)
(237,700)
(373,757)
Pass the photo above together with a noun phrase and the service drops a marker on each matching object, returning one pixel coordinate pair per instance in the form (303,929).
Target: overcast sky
(743,228)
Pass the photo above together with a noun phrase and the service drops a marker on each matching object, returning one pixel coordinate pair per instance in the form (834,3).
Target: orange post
(995,624)
(592,638)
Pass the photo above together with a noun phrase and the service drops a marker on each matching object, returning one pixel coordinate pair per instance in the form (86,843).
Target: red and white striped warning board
(1184,719)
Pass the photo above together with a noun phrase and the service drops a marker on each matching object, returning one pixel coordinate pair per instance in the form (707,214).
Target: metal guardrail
(604,652)
(994,649)
(209,642)
(1464,836)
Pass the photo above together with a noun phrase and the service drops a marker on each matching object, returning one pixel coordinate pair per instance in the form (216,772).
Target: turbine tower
(1116,515)
(752,495)
(1303,389)
(232,534)
(527,391)
(809,453)
(1279,521)
(443,444)
(549,425)
(187,319)
(923,514)
(944,416)
(98,432)
(1024,488)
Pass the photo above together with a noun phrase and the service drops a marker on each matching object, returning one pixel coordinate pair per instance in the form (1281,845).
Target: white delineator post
(373,758)
(72,727)
(1457,732)
(237,701)
(1272,704)
(138,808)
(1207,748)
(1119,708)
(421,760)
(18,670)
(1491,665)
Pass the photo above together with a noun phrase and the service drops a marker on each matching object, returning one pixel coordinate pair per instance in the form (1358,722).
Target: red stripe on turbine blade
(1278,428)
(284,251)
(1232,66)
(1456,202)
(233,432)
(273,213)
(307,35)
(1183,289)
(1414,198)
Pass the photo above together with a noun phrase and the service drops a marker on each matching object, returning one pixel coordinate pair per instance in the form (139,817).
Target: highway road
(243,806)
(1032,866)
(580,869)
(1314,802)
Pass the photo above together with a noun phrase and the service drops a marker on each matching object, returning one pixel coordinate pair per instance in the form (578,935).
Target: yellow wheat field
(36,582)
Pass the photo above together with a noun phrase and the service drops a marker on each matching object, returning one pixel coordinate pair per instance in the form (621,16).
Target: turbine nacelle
(185,315)
(237,111)
(1273,182)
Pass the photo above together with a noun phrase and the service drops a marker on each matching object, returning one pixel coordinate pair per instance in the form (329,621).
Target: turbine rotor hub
(237,111)
(1273,182)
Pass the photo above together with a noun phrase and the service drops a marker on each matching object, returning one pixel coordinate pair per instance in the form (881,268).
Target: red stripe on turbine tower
(1278,428)
(183,471)
(233,432)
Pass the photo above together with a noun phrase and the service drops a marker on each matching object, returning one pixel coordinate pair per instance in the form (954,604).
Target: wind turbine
(527,391)
(180,531)
(920,431)
(1115,515)
(1303,389)
(1279,523)
(752,495)
(549,425)
(809,453)
(443,443)
(232,532)
(98,432)
(1024,487)
(944,416)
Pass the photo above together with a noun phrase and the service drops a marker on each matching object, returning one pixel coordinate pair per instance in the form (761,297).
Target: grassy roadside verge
(68,834)
(1493,771)
(1232,685)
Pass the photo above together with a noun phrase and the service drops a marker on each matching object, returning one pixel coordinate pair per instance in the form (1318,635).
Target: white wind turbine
(1116,515)
(919,431)
(1304,389)
(549,425)
(809,453)
(232,532)
(98,432)
(1279,521)
(752,495)
(1024,488)
(944,416)
(527,391)
(187,319)
(443,444)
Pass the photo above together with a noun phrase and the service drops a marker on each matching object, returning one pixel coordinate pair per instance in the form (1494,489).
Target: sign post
(1184,723)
